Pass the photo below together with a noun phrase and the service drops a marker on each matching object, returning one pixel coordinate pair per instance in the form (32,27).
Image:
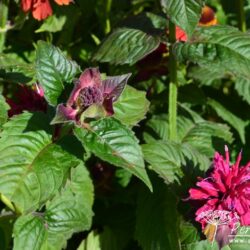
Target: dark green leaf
(184,13)
(113,142)
(126,46)
(53,70)
(237,123)
(157,219)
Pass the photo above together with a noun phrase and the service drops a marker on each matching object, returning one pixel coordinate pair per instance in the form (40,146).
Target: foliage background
(213,110)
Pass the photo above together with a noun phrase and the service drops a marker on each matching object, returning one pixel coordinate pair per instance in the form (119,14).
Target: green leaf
(33,167)
(202,245)
(204,136)
(4,107)
(184,13)
(188,233)
(157,219)
(92,242)
(70,211)
(241,240)
(126,46)
(159,124)
(29,233)
(237,123)
(113,142)
(53,70)
(52,24)
(242,86)
(212,46)
(166,158)
(131,106)
(16,69)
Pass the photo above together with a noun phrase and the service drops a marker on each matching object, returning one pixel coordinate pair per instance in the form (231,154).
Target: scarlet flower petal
(180,34)
(41,9)
(26,5)
(63,2)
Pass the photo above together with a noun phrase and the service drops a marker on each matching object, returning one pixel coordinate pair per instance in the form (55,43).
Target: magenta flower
(227,188)
(91,97)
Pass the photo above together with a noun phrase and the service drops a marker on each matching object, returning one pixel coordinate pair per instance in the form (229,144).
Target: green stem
(108,9)
(173,87)
(241,16)
(3,22)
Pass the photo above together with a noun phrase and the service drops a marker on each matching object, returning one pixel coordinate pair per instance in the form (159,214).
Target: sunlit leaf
(113,142)
(70,211)
(33,167)
(126,46)
(131,106)
(53,70)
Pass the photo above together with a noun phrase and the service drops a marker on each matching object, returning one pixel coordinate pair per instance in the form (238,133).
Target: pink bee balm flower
(91,97)
(227,188)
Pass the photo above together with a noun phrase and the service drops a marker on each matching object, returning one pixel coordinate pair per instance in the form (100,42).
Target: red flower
(41,9)
(26,98)
(226,189)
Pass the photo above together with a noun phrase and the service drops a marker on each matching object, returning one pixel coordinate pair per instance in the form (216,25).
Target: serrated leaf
(202,245)
(242,86)
(29,233)
(157,219)
(212,46)
(203,136)
(29,161)
(113,142)
(70,211)
(53,70)
(4,107)
(52,24)
(16,69)
(159,124)
(131,106)
(237,123)
(241,240)
(126,46)
(166,158)
(184,13)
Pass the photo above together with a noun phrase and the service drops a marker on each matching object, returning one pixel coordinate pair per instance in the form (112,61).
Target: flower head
(41,9)
(91,97)
(226,189)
